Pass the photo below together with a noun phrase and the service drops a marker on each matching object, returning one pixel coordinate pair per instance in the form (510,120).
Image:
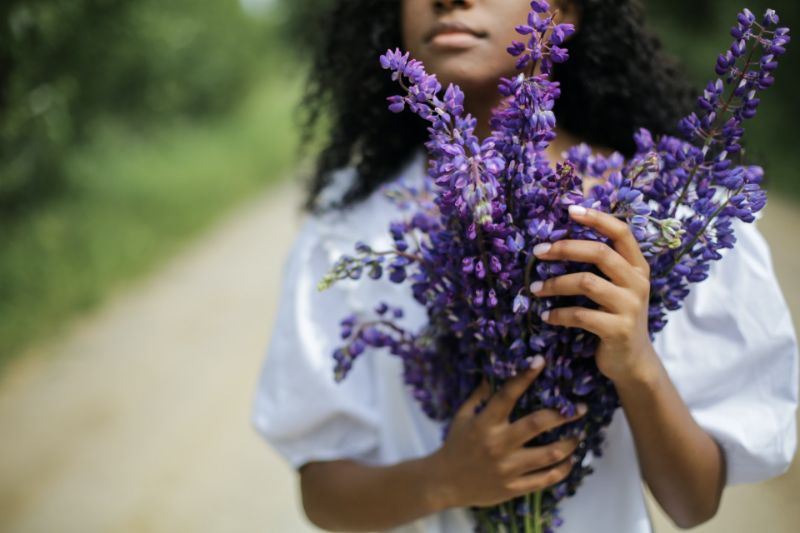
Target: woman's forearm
(349,496)
(682,465)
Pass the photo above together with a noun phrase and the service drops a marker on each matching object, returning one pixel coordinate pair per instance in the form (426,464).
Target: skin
(475,63)
(484,460)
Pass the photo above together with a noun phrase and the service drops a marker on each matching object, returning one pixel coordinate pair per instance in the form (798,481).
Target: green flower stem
(514,524)
(528,516)
(483,518)
(537,512)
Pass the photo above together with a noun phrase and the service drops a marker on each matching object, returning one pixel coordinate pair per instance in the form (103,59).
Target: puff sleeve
(299,408)
(732,354)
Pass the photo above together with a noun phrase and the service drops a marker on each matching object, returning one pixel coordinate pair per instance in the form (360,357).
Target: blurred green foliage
(67,64)
(126,128)
(141,196)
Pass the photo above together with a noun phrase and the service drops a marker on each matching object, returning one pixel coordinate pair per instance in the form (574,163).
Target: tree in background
(66,65)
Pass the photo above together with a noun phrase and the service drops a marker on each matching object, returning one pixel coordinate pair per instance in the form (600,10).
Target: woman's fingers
(538,422)
(541,479)
(602,324)
(502,403)
(599,290)
(611,263)
(615,229)
(528,460)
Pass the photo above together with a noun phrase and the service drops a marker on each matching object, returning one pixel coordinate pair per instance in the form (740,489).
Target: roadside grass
(138,198)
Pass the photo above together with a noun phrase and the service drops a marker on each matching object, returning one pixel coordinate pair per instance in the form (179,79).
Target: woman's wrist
(437,485)
(644,375)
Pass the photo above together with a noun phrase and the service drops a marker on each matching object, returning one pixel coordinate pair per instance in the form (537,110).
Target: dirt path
(138,421)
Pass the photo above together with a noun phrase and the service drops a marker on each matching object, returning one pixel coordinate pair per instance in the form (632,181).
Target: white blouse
(731,352)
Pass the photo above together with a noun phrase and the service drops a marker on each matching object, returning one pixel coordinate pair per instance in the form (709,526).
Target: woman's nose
(447,5)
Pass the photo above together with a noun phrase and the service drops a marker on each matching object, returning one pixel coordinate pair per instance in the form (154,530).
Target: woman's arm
(683,466)
(482,462)
(349,496)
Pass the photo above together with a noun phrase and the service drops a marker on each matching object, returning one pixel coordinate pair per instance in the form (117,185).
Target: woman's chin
(472,83)
(469,70)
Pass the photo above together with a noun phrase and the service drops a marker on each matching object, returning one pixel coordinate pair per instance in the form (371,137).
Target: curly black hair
(618,79)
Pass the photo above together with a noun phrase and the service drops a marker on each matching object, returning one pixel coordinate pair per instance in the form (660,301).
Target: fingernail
(538,362)
(536,286)
(545,315)
(582,408)
(577,210)
(541,248)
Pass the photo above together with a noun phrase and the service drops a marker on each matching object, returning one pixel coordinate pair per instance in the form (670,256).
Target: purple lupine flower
(488,202)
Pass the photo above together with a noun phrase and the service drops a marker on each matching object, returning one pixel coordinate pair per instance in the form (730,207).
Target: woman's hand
(625,352)
(483,461)
(681,463)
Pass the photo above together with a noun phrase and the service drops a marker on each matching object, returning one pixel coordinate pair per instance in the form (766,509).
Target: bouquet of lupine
(465,246)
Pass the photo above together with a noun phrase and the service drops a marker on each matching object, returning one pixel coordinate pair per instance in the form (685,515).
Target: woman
(711,402)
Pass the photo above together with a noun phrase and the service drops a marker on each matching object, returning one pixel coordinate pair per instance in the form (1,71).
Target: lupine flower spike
(465,246)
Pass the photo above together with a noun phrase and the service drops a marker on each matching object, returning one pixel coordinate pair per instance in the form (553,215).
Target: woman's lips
(453,35)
